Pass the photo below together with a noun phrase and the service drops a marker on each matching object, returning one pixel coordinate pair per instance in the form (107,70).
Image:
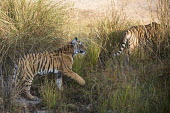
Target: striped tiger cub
(137,35)
(58,62)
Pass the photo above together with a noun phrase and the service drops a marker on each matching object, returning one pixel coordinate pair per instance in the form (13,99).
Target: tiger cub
(138,35)
(58,62)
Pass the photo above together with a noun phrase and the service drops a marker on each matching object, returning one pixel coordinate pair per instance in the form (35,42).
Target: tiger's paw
(82,82)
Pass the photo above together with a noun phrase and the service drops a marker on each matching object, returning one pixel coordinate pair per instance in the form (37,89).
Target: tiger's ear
(74,40)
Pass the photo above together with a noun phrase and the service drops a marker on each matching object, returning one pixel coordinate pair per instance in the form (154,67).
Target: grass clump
(29,26)
(26,17)
(49,93)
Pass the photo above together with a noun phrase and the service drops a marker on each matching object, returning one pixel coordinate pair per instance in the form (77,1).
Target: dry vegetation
(137,83)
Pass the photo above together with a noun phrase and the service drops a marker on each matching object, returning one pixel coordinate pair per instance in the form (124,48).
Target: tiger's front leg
(58,78)
(74,76)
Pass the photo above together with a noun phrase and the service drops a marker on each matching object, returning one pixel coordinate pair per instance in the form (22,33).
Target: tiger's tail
(127,35)
(121,50)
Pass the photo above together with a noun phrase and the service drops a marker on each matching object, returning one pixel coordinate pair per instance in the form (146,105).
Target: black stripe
(33,69)
(50,61)
(45,63)
(28,77)
(53,64)
(59,60)
(40,66)
(23,83)
(30,69)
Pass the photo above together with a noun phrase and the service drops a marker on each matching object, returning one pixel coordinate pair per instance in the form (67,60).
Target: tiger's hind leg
(26,89)
(29,95)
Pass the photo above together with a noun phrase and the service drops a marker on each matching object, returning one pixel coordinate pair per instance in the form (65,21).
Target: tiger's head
(78,46)
(75,46)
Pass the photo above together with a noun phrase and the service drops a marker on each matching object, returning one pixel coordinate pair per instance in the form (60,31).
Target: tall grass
(26,25)
(23,17)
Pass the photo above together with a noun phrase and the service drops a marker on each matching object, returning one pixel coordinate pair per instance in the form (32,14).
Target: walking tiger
(58,62)
(137,35)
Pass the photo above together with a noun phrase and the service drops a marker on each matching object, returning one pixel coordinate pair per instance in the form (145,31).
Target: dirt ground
(143,11)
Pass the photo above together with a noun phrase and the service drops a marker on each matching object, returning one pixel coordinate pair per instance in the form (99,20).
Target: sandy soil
(142,11)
